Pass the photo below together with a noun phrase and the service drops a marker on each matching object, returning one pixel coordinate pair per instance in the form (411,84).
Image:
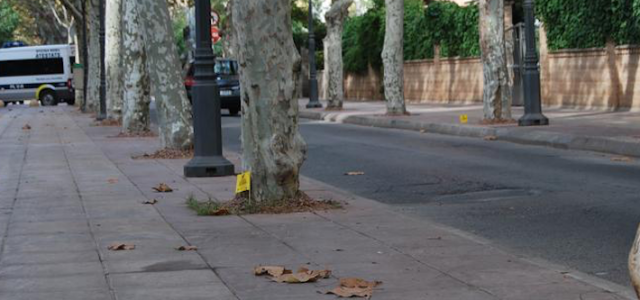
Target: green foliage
(179,25)
(300,23)
(9,21)
(442,23)
(586,24)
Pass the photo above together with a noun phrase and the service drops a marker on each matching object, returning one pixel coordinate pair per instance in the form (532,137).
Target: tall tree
(167,85)
(273,149)
(497,93)
(9,20)
(113,59)
(93,55)
(393,58)
(134,68)
(333,56)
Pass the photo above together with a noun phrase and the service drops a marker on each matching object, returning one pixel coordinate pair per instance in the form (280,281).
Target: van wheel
(71,102)
(233,111)
(48,98)
(21,102)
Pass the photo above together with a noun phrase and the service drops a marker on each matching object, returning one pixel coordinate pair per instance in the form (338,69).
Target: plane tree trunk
(393,58)
(134,69)
(113,60)
(93,57)
(333,44)
(497,93)
(273,149)
(175,123)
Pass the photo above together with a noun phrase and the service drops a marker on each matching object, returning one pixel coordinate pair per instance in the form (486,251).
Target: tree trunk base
(397,114)
(242,204)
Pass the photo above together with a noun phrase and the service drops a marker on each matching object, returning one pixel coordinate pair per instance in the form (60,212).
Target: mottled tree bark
(634,264)
(93,56)
(167,84)
(393,58)
(113,58)
(273,149)
(497,93)
(134,69)
(334,67)
(229,39)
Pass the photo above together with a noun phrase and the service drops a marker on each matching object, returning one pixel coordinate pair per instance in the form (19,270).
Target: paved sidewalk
(592,130)
(69,189)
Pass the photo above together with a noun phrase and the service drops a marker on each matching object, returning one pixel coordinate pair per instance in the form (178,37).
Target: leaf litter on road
(622,159)
(163,188)
(26,127)
(281,275)
(121,247)
(150,202)
(354,287)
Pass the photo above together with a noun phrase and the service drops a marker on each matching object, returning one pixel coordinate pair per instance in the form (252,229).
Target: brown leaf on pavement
(490,138)
(622,159)
(302,276)
(112,180)
(271,270)
(187,248)
(163,188)
(121,247)
(151,202)
(220,212)
(354,287)
(26,127)
(354,173)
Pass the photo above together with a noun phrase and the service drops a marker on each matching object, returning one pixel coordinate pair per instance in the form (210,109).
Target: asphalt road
(576,209)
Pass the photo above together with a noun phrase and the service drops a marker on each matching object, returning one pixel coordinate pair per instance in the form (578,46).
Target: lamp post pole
(313,74)
(532,107)
(208,160)
(103,74)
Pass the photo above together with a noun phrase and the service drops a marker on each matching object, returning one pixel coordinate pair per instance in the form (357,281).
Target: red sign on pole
(215,34)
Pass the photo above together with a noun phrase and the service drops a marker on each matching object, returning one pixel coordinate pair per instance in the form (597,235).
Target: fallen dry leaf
(302,276)
(355,173)
(120,247)
(112,180)
(26,127)
(490,138)
(622,159)
(151,202)
(163,188)
(220,212)
(354,287)
(271,270)
(187,248)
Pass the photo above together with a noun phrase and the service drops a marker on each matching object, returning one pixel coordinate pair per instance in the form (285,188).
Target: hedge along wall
(579,24)
(452,27)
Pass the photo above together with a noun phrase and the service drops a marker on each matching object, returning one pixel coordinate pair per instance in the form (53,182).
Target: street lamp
(532,108)
(103,75)
(208,160)
(313,78)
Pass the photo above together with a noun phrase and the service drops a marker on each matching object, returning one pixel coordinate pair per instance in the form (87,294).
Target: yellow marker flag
(464,119)
(243,182)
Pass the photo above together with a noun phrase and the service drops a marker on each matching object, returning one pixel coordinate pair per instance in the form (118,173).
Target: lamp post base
(533,120)
(316,104)
(208,166)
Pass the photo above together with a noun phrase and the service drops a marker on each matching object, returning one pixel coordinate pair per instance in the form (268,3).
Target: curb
(514,135)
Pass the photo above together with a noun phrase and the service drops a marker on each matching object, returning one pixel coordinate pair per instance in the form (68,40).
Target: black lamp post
(103,75)
(208,160)
(85,55)
(532,107)
(313,76)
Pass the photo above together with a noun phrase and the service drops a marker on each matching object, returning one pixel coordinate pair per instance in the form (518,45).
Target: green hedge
(453,27)
(589,23)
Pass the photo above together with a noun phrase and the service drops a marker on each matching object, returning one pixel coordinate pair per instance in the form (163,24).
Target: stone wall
(585,78)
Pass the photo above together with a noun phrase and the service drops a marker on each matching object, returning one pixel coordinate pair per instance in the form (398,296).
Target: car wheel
(48,98)
(234,111)
(71,102)
(20,102)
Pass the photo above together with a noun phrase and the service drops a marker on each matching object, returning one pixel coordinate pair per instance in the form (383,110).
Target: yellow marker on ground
(464,119)
(243,182)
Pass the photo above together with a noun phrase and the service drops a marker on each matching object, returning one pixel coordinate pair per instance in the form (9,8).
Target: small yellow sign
(243,183)
(464,119)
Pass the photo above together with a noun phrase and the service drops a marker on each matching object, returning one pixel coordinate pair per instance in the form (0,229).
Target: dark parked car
(226,71)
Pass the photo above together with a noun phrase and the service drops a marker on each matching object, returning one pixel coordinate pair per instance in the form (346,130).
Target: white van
(41,72)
